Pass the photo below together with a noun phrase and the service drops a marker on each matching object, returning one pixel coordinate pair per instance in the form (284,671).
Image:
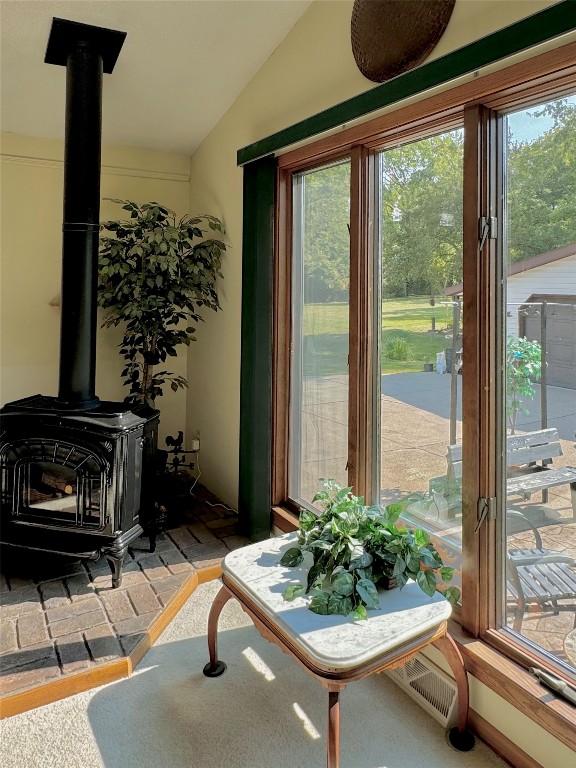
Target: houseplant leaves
(355,550)
(157,274)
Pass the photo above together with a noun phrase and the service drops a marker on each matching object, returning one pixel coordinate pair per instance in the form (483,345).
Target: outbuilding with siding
(541,304)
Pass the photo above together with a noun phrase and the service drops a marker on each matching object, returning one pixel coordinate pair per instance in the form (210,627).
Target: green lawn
(326,340)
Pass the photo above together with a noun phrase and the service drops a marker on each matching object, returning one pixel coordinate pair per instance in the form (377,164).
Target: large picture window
(539,378)
(320,309)
(427,268)
(419,192)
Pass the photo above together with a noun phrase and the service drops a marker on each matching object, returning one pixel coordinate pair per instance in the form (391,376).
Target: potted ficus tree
(157,273)
(523,368)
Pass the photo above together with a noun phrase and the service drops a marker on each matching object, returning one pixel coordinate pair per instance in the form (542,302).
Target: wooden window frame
(282,325)
(480,364)
(478,105)
(361,413)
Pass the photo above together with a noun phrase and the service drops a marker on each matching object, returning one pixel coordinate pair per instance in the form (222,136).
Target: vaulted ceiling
(182,66)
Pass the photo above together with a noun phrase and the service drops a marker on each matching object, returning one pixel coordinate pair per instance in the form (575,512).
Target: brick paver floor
(59,616)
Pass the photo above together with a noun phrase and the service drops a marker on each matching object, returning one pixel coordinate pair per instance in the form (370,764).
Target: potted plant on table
(358,549)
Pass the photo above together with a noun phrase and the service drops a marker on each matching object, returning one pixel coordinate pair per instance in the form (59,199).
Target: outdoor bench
(527,450)
(336,650)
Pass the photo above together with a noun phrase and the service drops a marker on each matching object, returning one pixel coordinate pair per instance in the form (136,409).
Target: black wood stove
(77,473)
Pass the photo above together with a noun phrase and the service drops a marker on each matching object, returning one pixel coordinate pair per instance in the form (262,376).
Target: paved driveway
(431,392)
(415,430)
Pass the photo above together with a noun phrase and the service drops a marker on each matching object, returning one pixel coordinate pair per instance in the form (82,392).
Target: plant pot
(388,582)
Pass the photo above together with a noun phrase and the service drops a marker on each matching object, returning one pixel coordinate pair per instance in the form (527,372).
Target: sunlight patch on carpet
(259,664)
(307,723)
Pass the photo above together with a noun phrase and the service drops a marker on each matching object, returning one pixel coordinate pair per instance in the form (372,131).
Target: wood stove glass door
(51,488)
(58,494)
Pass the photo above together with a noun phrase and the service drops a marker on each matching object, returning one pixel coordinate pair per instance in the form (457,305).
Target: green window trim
(255,462)
(551,22)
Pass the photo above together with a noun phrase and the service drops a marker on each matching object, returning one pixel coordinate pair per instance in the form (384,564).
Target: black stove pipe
(82,160)
(87,52)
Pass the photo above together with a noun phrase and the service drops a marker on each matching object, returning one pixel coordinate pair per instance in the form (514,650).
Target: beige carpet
(263,713)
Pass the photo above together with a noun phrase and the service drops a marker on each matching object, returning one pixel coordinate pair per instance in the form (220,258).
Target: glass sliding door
(538,407)
(420,188)
(320,326)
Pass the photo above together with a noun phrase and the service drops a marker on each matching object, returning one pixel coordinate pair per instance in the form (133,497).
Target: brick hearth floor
(59,617)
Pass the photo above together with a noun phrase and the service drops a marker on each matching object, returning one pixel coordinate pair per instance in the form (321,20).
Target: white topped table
(335,649)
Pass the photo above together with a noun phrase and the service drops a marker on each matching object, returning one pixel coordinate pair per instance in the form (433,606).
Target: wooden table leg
(460,737)
(215,668)
(333,751)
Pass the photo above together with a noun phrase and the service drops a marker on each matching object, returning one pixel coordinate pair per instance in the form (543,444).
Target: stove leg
(115,560)
(155,525)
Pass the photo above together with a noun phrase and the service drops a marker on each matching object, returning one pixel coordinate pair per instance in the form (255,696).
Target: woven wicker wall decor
(391,36)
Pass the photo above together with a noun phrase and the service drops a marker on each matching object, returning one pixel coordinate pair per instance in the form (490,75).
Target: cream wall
(519,728)
(31,223)
(312,69)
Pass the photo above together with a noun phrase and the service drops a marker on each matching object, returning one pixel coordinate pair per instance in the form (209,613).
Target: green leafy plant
(523,367)
(156,274)
(356,549)
(397,348)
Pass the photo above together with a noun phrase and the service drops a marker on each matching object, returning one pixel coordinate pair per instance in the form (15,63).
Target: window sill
(495,670)
(284,519)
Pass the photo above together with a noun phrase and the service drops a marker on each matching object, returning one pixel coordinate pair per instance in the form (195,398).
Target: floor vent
(433,689)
